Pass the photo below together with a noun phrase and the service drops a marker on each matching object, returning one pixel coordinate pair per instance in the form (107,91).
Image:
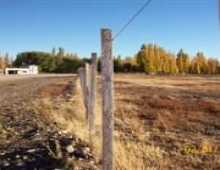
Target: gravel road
(16,88)
(7,78)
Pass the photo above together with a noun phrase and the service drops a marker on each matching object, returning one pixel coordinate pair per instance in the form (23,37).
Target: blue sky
(29,25)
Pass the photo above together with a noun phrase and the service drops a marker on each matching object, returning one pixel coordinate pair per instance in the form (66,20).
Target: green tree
(48,62)
(141,57)
(117,64)
(145,58)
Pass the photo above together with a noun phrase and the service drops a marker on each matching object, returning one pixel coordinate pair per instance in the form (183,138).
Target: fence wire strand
(132,19)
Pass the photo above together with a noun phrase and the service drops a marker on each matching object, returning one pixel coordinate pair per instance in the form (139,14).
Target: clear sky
(29,25)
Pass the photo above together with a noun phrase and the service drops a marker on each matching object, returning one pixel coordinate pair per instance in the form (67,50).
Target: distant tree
(141,60)
(160,62)
(2,62)
(145,58)
(199,64)
(213,65)
(157,58)
(53,51)
(202,63)
(70,65)
(48,62)
(87,60)
(118,64)
(61,52)
(182,61)
(71,55)
(129,64)
(7,60)
(11,61)
(150,58)
(154,59)
(172,64)
(163,62)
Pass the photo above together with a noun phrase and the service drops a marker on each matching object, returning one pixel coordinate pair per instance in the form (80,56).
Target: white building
(32,69)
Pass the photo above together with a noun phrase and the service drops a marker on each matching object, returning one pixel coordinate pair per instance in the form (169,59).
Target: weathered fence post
(107,98)
(82,82)
(92,90)
(80,76)
(84,79)
(87,84)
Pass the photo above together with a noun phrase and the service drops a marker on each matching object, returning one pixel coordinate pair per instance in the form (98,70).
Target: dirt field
(29,137)
(180,115)
(161,123)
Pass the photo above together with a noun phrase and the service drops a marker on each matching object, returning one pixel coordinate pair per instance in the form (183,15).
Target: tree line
(54,62)
(150,59)
(155,60)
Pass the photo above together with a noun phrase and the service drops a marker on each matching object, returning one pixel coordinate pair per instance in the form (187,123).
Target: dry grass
(67,111)
(131,149)
(151,123)
(129,153)
(171,117)
(70,114)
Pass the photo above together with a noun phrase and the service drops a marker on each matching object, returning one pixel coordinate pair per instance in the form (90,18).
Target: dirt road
(6,78)
(15,88)
(27,140)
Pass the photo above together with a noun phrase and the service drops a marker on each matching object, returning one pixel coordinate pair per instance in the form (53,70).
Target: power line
(219,11)
(132,19)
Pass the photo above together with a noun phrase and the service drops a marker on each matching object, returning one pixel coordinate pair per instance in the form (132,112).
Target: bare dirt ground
(15,88)
(161,123)
(28,138)
(180,115)
(6,78)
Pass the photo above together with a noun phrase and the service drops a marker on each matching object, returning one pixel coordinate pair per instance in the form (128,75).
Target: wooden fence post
(83,74)
(107,98)
(92,90)
(80,72)
(82,83)
(87,83)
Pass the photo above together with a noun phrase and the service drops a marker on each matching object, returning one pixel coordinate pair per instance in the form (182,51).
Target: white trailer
(32,69)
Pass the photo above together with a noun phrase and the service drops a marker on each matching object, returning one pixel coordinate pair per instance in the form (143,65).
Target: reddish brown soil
(176,117)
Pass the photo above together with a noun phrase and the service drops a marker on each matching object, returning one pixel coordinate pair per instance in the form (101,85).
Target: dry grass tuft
(131,150)
(70,115)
